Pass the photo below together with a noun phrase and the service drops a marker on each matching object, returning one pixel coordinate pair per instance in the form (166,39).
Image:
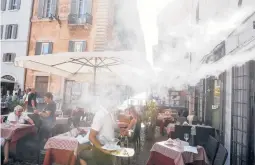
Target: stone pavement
(141,156)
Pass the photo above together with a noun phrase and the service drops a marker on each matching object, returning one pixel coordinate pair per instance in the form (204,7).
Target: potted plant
(149,119)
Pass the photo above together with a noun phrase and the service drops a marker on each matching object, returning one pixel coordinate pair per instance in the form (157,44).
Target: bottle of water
(193,134)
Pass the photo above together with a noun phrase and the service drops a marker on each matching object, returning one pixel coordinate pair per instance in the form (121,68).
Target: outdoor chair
(202,135)
(221,156)
(180,130)
(211,148)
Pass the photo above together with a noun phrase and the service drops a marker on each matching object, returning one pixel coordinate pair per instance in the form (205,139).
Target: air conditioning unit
(253,24)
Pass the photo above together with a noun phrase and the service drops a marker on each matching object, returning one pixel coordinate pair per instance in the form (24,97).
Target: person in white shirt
(18,116)
(101,132)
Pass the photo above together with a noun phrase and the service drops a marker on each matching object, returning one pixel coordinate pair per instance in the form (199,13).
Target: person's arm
(28,119)
(46,113)
(93,139)
(131,124)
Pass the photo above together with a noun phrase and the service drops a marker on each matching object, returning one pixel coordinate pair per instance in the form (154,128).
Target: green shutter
(3,5)
(40,8)
(84,46)
(10,4)
(14,31)
(38,48)
(74,9)
(53,9)
(50,50)
(18,4)
(71,46)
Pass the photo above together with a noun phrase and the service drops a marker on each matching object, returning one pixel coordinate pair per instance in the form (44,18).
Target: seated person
(5,144)
(47,115)
(18,116)
(135,118)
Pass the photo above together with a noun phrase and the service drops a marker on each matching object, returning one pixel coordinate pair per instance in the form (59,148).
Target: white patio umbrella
(87,66)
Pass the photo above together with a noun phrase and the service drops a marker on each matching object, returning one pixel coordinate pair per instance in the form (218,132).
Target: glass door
(240,115)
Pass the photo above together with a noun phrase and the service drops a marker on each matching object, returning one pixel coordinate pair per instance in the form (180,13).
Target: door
(252,116)
(240,133)
(41,85)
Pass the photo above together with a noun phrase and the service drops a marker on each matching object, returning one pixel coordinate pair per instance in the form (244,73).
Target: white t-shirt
(104,124)
(14,118)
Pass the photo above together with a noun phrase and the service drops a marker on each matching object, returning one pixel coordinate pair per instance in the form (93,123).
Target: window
(14,4)
(11,31)
(3,5)
(2,31)
(9,57)
(77,46)
(47,8)
(81,7)
(43,48)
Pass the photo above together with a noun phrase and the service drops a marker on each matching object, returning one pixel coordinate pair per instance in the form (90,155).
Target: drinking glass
(186,136)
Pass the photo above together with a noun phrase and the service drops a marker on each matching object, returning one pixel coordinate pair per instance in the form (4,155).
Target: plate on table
(111,147)
(124,152)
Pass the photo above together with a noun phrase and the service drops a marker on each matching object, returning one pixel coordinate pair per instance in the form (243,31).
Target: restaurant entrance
(242,126)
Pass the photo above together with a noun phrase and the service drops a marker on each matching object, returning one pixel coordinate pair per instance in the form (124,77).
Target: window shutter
(38,48)
(18,4)
(84,46)
(13,55)
(74,9)
(50,48)
(3,5)
(6,31)
(40,8)
(53,10)
(15,31)
(4,57)
(2,31)
(88,8)
(10,4)
(71,46)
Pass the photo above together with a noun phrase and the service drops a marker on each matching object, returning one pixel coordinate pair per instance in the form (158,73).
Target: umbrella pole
(94,82)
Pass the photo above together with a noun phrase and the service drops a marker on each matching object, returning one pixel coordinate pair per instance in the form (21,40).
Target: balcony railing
(80,19)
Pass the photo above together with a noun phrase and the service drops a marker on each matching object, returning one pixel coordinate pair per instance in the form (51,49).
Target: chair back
(180,130)
(221,155)
(181,119)
(202,134)
(211,148)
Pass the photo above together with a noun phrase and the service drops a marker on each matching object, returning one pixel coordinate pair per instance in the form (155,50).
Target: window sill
(13,10)
(36,19)
(8,63)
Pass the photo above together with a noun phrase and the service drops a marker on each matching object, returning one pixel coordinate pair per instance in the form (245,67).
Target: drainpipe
(28,38)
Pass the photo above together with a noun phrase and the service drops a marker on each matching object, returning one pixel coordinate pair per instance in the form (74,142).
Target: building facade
(66,26)
(15,29)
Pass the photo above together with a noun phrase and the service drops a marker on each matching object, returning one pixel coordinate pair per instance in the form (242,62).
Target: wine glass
(186,136)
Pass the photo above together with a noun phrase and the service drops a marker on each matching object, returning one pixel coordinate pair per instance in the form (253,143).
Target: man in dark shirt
(47,115)
(31,101)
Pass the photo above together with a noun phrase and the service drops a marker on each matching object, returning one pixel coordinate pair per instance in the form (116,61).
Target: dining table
(14,132)
(163,153)
(62,149)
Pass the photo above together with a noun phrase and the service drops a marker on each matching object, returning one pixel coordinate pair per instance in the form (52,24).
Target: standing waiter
(101,132)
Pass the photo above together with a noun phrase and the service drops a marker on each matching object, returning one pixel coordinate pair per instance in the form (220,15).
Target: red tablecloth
(59,156)
(61,149)
(176,154)
(15,132)
(159,159)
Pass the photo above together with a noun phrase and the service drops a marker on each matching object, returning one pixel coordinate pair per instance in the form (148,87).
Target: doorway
(41,85)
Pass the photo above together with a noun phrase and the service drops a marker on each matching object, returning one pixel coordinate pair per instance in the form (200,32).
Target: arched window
(9,57)
(8,77)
